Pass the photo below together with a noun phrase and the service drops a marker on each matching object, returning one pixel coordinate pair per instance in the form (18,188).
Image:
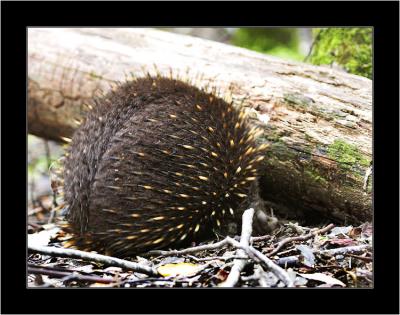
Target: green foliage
(349,47)
(280,42)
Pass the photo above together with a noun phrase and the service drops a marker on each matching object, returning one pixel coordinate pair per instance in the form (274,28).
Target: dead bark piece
(320,119)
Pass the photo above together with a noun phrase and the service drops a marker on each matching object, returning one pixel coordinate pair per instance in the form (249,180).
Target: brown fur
(156,163)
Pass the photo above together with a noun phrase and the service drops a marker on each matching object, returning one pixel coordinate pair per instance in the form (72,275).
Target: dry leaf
(323,278)
(182,269)
(222,275)
(340,230)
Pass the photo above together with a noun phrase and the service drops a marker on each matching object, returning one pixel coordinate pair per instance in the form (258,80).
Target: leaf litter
(341,257)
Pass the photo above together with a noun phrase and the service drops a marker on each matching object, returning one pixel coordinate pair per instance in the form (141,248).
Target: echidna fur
(158,162)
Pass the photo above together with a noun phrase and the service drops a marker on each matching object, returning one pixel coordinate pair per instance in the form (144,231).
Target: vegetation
(350,48)
(280,42)
(346,154)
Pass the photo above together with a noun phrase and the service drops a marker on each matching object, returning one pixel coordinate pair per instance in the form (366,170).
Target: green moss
(315,176)
(347,155)
(298,100)
(273,136)
(349,47)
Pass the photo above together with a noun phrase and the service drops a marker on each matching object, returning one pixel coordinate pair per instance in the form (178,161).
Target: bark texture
(317,120)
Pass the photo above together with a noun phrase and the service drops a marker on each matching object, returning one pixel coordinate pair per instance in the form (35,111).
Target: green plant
(350,48)
(280,42)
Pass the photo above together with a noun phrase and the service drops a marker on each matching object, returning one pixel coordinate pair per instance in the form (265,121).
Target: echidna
(158,162)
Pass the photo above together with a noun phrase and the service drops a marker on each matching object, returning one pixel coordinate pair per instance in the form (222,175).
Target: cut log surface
(317,120)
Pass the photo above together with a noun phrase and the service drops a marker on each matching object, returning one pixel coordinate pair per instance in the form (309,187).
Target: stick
(265,261)
(214,258)
(260,238)
(300,238)
(246,249)
(239,264)
(366,259)
(72,275)
(185,251)
(343,250)
(250,251)
(107,260)
(291,260)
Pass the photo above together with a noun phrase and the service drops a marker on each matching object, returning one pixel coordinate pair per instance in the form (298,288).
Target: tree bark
(320,119)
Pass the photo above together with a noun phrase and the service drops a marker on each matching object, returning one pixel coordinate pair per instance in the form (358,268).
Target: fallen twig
(185,251)
(260,238)
(291,260)
(196,259)
(343,250)
(249,250)
(72,275)
(299,238)
(239,264)
(108,260)
(366,259)
(171,280)
(264,260)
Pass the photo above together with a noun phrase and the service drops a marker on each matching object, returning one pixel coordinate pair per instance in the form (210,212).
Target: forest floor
(339,257)
(291,256)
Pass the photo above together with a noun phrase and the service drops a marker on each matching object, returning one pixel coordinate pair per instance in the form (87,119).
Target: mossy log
(319,119)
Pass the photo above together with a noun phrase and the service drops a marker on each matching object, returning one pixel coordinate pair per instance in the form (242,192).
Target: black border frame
(383,16)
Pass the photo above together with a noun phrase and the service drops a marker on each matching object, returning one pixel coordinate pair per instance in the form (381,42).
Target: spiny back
(156,163)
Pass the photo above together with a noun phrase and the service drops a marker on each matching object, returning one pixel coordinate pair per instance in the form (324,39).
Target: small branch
(71,275)
(300,238)
(107,260)
(344,250)
(249,250)
(239,264)
(196,259)
(291,260)
(260,238)
(366,259)
(265,261)
(153,280)
(185,251)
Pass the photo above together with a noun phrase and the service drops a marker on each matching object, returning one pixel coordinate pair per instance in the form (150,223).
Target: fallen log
(319,119)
